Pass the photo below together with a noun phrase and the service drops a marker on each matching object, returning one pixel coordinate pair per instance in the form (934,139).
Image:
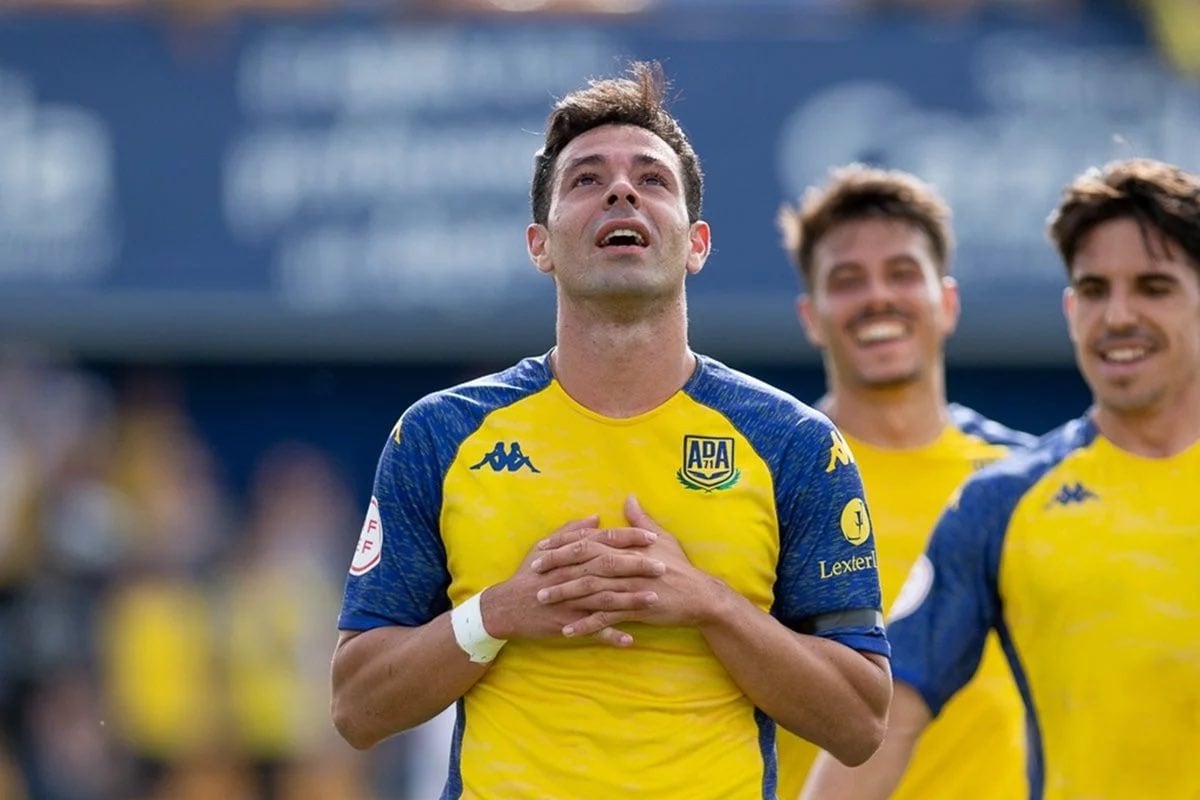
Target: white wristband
(472,637)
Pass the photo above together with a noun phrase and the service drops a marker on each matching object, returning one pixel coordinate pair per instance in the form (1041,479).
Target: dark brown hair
(857,192)
(1151,192)
(636,100)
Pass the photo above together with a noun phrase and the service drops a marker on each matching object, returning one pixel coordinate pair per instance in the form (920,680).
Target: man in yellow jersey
(1082,552)
(624,562)
(873,251)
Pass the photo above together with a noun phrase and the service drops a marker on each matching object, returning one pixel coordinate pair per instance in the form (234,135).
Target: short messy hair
(1153,193)
(857,192)
(636,100)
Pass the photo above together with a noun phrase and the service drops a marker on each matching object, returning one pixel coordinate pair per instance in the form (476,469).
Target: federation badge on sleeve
(369,549)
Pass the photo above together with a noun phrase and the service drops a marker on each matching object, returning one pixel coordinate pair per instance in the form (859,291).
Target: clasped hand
(583,580)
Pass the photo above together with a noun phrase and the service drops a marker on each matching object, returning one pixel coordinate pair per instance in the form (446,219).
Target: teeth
(626,233)
(880,331)
(1124,354)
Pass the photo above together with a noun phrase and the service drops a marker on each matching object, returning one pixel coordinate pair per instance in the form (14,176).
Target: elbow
(862,742)
(350,727)
(865,734)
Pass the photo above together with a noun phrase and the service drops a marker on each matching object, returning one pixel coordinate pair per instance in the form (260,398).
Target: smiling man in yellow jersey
(873,250)
(600,645)
(1083,552)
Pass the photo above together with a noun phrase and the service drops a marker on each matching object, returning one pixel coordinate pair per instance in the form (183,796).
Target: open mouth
(1128,354)
(622,235)
(879,331)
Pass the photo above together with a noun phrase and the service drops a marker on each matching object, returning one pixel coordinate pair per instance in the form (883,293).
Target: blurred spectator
(281,590)
(1176,26)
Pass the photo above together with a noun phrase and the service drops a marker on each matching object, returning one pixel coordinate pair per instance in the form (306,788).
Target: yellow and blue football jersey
(1084,559)
(751,481)
(981,732)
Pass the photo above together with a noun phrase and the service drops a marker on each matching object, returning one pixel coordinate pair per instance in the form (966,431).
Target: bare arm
(837,697)
(390,679)
(879,776)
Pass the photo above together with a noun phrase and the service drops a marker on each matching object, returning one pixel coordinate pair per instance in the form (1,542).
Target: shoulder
(461,408)
(972,423)
(757,408)
(1004,482)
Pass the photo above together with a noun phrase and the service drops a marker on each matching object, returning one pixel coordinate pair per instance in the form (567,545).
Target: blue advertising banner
(357,187)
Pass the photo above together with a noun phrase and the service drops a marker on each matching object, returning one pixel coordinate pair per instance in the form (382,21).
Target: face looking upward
(618,224)
(877,305)
(1133,310)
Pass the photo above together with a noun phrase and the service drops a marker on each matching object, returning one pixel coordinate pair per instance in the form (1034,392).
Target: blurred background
(239,237)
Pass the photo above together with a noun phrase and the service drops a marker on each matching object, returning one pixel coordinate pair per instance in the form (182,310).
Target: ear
(700,237)
(537,241)
(807,317)
(951,305)
(1068,305)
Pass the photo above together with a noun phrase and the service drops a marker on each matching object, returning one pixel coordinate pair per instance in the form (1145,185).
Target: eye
(655,178)
(1091,290)
(585,179)
(844,281)
(1157,287)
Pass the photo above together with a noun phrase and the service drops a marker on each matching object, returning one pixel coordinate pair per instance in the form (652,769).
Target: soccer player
(1083,552)
(656,564)
(873,249)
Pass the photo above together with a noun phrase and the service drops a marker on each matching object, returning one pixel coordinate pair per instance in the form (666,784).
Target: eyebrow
(641,159)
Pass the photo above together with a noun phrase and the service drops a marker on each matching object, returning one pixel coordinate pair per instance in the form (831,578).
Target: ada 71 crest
(708,463)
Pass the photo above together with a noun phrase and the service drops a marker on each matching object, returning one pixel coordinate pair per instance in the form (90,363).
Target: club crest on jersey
(708,463)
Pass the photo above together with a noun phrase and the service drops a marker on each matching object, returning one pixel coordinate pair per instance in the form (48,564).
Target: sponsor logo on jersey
(708,463)
(839,452)
(506,459)
(844,566)
(369,549)
(1072,494)
(856,522)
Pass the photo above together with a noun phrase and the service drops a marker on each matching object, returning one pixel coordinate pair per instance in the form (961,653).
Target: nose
(622,190)
(1119,313)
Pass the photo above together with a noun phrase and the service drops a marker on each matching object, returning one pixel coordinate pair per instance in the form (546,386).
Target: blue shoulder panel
(827,582)
(408,584)
(971,422)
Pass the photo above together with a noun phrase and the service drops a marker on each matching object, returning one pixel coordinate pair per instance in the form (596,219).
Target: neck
(622,364)
(1159,432)
(893,417)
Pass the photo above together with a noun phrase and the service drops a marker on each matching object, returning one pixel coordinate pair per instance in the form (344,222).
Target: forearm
(390,679)
(881,774)
(835,697)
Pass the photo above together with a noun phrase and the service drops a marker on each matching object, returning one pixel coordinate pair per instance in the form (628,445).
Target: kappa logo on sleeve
(839,452)
(369,549)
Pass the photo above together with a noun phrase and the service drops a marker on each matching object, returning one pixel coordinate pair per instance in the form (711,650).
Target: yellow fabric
(1099,581)
(278,668)
(160,668)
(976,747)
(731,534)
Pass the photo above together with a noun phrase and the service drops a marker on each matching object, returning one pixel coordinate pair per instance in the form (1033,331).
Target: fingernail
(651,536)
(658,567)
(569,630)
(652,597)
(625,640)
(543,595)
(536,565)
(543,544)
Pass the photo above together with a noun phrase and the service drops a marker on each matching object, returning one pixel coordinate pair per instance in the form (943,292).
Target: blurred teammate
(657,562)
(1083,552)
(873,249)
